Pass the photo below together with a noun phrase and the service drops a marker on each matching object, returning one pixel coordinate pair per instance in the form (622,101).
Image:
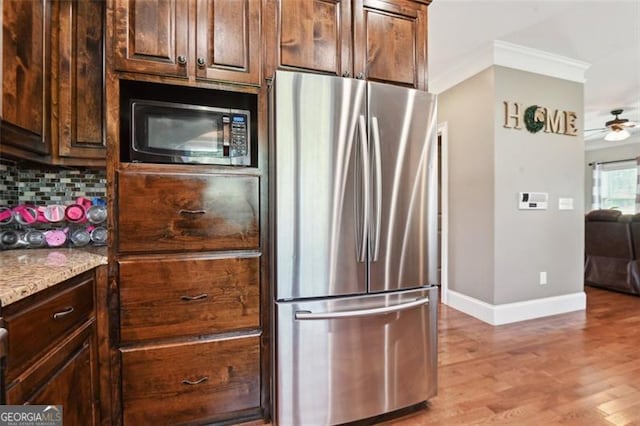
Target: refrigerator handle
(377,176)
(364,158)
(307,315)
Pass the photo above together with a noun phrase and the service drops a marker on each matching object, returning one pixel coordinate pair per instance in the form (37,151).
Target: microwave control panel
(236,138)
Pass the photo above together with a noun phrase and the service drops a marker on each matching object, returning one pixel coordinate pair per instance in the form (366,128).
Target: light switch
(565,203)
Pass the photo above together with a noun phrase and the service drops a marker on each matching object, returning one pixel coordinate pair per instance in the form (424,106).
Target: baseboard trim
(517,311)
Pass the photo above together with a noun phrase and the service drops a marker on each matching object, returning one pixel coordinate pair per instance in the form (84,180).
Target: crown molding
(510,55)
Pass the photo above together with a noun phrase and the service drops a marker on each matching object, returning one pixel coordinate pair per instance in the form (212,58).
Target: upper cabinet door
(80,78)
(228,44)
(390,42)
(25,73)
(151,36)
(315,35)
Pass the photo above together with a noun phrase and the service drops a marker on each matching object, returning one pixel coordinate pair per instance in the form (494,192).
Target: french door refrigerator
(355,248)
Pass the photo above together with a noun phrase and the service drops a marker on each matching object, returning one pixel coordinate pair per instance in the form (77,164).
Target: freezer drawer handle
(198,297)
(195,382)
(307,315)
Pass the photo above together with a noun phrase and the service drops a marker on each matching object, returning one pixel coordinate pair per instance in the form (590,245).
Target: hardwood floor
(573,369)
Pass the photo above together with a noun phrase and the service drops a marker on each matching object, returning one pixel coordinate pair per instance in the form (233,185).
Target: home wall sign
(536,118)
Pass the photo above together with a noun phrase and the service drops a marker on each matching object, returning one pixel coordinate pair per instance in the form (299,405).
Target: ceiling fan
(617,129)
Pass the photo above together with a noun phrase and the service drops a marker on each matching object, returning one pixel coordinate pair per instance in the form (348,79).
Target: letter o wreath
(530,122)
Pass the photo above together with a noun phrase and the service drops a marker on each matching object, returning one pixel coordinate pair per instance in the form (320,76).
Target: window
(617,186)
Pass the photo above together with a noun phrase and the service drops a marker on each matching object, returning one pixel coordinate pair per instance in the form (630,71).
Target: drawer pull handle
(195,382)
(181,211)
(62,314)
(198,297)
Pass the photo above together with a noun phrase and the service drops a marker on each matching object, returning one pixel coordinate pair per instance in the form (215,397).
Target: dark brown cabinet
(190,382)
(315,35)
(204,39)
(151,36)
(53,81)
(380,40)
(228,44)
(74,385)
(79,80)
(191,212)
(53,351)
(26,35)
(189,294)
(208,293)
(390,42)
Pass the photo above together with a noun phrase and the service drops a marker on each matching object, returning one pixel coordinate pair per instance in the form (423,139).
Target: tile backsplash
(41,185)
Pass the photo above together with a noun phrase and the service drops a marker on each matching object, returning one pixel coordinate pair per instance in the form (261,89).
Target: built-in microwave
(190,126)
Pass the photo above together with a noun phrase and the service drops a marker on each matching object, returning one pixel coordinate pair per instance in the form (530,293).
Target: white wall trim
(443,131)
(539,62)
(513,56)
(517,311)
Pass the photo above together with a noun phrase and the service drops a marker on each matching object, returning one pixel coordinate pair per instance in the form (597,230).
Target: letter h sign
(512,112)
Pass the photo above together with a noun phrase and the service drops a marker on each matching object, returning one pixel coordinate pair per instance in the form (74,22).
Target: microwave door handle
(226,135)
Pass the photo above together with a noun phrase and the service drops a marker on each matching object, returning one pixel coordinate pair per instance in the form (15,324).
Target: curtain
(596,197)
(638,185)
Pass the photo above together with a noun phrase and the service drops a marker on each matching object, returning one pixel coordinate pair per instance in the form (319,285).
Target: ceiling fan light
(618,135)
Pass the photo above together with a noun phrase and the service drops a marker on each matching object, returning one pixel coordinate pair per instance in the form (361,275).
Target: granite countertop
(25,272)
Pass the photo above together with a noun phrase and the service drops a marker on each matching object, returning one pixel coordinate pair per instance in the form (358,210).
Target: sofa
(612,246)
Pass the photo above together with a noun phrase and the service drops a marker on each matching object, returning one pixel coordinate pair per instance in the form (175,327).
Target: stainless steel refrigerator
(354,171)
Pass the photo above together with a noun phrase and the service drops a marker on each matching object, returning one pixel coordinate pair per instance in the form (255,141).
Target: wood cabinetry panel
(315,35)
(49,320)
(72,387)
(25,70)
(190,382)
(228,40)
(151,35)
(228,19)
(179,297)
(190,212)
(80,79)
(390,48)
(154,21)
(390,40)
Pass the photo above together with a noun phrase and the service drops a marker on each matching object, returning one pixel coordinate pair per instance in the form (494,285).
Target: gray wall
(623,152)
(528,242)
(466,109)
(496,251)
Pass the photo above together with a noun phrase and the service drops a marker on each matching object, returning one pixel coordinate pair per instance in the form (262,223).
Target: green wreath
(530,121)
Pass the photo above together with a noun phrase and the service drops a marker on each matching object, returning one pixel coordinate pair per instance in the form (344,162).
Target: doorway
(443,212)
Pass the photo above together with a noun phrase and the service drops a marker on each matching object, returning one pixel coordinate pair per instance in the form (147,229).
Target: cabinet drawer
(37,327)
(190,382)
(162,297)
(187,212)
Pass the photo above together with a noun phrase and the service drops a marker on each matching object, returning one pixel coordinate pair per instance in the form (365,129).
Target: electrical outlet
(543,278)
